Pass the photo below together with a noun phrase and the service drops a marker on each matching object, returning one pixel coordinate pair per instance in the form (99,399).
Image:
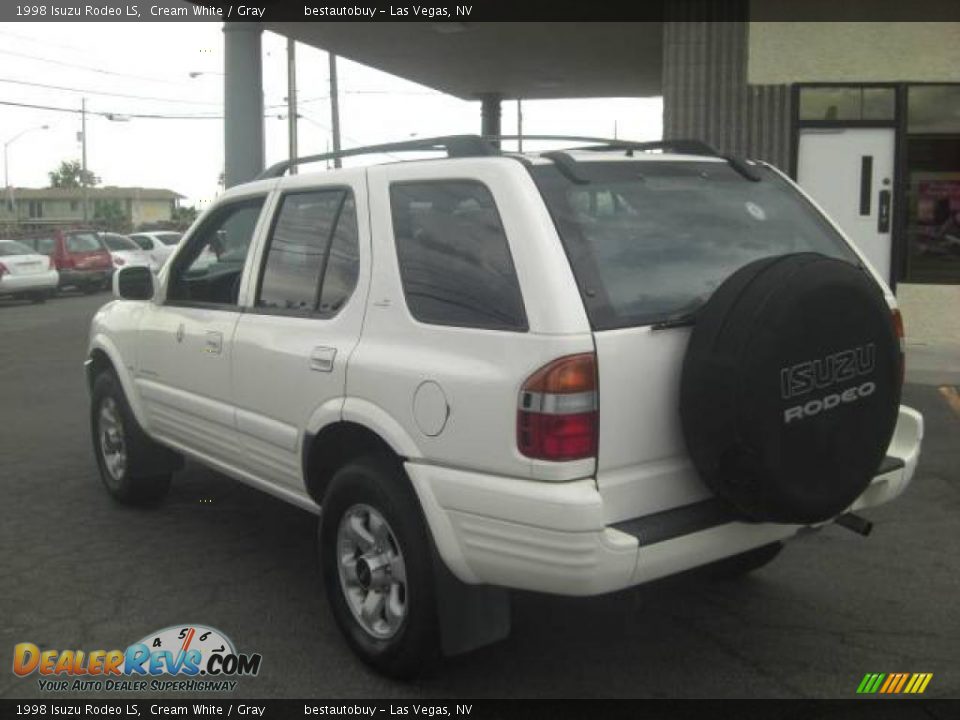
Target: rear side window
(142,241)
(83,242)
(314,238)
(45,245)
(649,240)
(455,261)
(118,243)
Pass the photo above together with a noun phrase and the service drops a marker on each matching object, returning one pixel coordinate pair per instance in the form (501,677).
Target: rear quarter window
(455,262)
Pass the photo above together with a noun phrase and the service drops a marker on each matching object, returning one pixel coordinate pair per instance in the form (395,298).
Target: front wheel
(125,455)
(375,558)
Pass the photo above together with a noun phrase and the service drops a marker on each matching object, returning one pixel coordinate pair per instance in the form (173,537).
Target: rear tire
(375,557)
(131,465)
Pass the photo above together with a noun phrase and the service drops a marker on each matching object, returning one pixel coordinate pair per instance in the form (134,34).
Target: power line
(88,68)
(105,92)
(144,116)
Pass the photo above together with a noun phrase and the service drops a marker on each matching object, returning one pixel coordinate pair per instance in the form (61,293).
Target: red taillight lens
(557,417)
(897,320)
(118,261)
(3,269)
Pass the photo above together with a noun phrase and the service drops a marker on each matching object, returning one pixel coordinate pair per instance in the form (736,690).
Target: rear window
(455,261)
(11,247)
(650,241)
(119,243)
(144,242)
(83,242)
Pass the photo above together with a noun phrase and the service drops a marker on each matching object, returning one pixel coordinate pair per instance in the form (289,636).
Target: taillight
(897,320)
(558,417)
(118,261)
(3,269)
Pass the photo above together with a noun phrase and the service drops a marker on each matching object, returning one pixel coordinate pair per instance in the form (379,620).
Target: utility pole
(334,108)
(519,125)
(83,158)
(292,100)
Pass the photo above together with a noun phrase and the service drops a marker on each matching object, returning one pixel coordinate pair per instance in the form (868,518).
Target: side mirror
(133,283)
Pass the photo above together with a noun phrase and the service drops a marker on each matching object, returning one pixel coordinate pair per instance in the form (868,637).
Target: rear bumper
(551,537)
(10,284)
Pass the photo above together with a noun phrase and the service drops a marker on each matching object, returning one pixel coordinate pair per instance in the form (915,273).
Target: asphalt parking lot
(78,571)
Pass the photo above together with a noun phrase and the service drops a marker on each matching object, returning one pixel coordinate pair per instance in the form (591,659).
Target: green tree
(184,216)
(71,175)
(109,215)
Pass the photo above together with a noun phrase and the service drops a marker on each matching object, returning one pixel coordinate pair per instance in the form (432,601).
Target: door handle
(866,183)
(213,342)
(883,212)
(321,359)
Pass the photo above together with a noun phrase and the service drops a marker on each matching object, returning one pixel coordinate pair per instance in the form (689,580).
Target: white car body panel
(27,272)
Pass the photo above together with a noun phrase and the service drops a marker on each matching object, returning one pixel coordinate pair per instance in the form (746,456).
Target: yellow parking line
(952,396)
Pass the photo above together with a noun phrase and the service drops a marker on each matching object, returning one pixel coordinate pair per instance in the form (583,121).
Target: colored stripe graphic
(894,683)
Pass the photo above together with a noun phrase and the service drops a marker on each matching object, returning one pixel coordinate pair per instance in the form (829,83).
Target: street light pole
(83,158)
(8,143)
(334,108)
(292,101)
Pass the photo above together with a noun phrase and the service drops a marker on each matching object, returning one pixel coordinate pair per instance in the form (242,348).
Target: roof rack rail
(680,145)
(484,145)
(453,145)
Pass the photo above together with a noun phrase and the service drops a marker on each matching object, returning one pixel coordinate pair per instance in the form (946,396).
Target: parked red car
(78,256)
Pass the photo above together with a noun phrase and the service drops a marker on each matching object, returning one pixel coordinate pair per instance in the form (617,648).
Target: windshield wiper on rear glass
(683,316)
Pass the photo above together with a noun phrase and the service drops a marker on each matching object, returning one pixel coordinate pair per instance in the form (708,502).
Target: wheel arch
(335,444)
(104,356)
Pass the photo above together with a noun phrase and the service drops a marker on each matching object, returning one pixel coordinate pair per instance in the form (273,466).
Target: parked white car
(125,252)
(159,243)
(569,372)
(26,273)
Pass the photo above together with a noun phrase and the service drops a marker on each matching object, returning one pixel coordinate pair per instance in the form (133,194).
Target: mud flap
(470,616)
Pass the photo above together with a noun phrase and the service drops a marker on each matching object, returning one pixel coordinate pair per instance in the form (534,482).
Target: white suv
(569,372)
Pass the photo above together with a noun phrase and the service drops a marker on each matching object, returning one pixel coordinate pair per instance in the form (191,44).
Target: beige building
(64,206)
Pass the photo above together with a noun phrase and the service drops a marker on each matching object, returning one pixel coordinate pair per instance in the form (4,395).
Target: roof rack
(453,145)
(485,145)
(682,146)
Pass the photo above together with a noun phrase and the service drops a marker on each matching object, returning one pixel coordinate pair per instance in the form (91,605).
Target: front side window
(455,261)
(209,272)
(312,257)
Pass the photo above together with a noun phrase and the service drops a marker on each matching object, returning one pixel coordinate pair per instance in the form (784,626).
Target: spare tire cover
(790,387)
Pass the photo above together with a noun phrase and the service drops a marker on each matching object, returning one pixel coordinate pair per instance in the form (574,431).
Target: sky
(145,69)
